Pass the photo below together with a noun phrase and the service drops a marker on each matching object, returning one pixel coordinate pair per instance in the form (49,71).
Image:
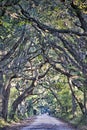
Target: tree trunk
(73,105)
(20,99)
(85,90)
(1,89)
(85,100)
(5,100)
(6,94)
(79,103)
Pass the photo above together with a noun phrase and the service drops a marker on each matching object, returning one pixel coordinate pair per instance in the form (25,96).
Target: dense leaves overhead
(40,37)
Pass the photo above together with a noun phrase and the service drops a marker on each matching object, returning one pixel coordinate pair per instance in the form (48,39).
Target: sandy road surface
(45,122)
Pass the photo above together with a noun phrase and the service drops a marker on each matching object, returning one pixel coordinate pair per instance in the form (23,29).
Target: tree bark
(80,16)
(79,103)
(20,99)
(73,105)
(85,100)
(1,89)
(5,100)
(6,94)
(85,89)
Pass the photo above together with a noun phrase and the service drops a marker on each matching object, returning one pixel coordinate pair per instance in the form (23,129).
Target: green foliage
(13,95)
(39,49)
(3,123)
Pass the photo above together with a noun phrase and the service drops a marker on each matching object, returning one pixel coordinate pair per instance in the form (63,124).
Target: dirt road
(45,122)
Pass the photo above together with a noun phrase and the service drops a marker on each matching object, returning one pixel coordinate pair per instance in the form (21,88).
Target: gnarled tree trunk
(20,98)
(79,103)
(1,89)
(85,98)
(5,100)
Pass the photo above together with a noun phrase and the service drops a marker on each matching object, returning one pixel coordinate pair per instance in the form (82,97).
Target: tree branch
(12,50)
(46,28)
(79,15)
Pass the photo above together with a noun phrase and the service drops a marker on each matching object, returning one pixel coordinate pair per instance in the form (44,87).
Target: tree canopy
(43,49)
